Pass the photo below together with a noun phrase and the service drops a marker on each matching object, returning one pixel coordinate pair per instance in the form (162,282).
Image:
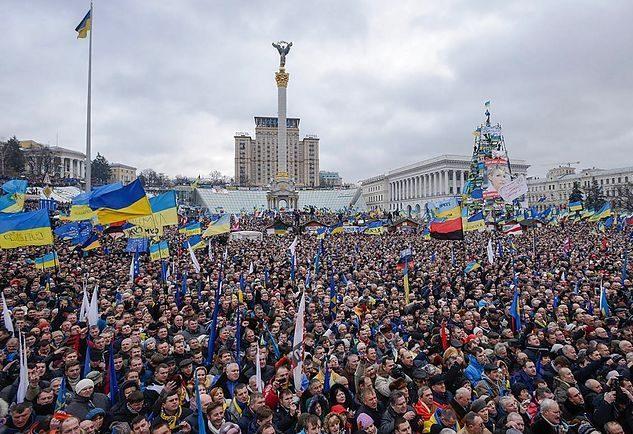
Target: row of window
(586,184)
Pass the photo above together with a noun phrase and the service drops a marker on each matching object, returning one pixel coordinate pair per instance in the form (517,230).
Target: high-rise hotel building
(256,159)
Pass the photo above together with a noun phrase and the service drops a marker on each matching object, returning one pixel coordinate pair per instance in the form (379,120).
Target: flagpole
(88,157)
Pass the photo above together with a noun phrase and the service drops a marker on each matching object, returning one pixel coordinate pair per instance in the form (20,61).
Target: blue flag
(61,395)
(112,380)
(515,311)
(201,427)
(87,367)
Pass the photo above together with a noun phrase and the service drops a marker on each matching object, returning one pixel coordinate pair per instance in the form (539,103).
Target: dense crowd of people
(451,359)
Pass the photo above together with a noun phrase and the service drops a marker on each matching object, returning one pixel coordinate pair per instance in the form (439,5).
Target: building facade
(256,158)
(555,188)
(122,173)
(330,179)
(410,188)
(55,161)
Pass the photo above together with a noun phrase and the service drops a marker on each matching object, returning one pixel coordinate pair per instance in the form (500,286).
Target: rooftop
(236,201)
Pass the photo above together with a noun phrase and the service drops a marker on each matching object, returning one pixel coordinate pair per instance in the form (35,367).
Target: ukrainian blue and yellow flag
(47,261)
(13,199)
(446,209)
(164,208)
(191,229)
(84,26)
(80,209)
(159,251)
(375,228)
(604,212)
(575,206)
(25,229)
(91,243)
(322,232)
(220,226)
(471,266)
(475,222)
(336,228)
(196,242)
(126,203)
(426,233)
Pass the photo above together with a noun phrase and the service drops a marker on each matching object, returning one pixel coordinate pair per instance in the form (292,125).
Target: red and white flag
(513,229)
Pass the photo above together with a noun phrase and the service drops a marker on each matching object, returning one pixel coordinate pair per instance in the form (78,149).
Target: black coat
(283,422)
(541,426)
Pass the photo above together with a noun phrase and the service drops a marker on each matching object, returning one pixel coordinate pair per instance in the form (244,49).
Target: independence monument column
(281,77)
(282,194)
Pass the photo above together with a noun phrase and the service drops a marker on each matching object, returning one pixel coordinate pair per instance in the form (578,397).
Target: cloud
(381,84)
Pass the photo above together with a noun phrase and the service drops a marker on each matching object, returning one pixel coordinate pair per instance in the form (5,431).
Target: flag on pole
(194,260)
(87,367)
(200,419)
(93,310)
(405,279)
(24,371)
(214,321)
(60,403)
(258,372)
(84,26)
(6,316)
(297,344)
(111,379)
(491,253)
(604,304)
(515,311)
(625,265)
(134,267)
(238,339)
(85,303)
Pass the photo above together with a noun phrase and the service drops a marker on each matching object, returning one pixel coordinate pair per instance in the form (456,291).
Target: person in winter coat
(130,408)
(21,420)
(86,399)
(285,415)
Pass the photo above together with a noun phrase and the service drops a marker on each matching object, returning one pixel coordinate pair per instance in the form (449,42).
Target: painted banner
(514,189)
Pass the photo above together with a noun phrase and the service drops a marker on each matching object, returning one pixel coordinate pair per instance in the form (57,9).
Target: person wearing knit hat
(86,399)
(84,384)
(364,421)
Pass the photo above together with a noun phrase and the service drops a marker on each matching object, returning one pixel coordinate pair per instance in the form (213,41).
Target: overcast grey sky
(383,84)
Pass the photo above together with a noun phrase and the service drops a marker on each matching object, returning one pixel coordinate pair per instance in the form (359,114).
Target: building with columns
(55,161)
(409,188)
(554,189)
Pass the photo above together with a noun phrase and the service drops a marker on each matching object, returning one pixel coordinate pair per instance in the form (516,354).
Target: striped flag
(512,229)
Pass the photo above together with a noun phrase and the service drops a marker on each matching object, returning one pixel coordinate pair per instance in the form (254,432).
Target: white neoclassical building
(554,189)
(409,188)
(53,160)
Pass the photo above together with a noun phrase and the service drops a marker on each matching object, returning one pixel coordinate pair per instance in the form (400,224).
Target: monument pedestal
(282,194)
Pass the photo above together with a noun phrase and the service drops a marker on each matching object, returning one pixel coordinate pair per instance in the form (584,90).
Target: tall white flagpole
(88,157)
